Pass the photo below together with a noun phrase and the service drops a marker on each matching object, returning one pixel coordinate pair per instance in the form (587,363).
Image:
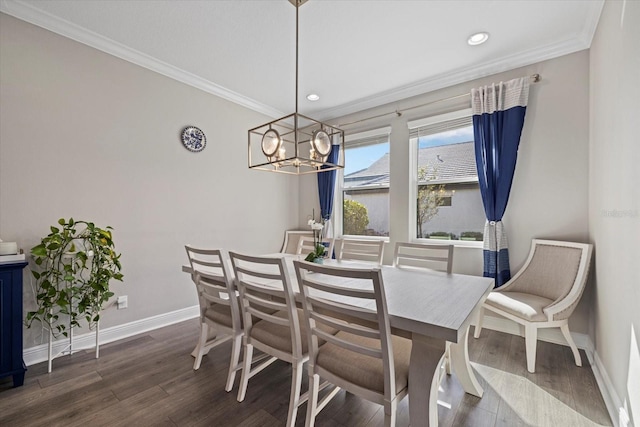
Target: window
(365,184)
(448,204)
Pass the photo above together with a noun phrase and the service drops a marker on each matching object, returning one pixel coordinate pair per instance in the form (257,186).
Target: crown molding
(455,77)
(75,32)
(65,28)
(582,41)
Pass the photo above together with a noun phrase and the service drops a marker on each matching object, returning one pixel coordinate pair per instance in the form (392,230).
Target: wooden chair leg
(479,319)
(246,368)
(294,399)
(390,413)
(567,335)
(312,403)
(531,339)
(447,358)
(233,362)
(199,350)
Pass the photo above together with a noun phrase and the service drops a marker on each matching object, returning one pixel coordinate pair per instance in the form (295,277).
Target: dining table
(431,308)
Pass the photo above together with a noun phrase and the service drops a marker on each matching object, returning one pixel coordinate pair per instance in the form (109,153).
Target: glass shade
(271,142)
(321,142)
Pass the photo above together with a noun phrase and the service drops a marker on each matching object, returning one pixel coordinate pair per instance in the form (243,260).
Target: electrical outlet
(123,302)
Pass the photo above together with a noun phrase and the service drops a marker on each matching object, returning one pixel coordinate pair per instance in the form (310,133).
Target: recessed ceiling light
(478,38)
(313,97)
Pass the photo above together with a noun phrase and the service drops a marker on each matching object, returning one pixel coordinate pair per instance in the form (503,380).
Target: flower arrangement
(318,248)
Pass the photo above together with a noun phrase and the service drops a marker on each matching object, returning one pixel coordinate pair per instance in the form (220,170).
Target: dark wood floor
(147,380)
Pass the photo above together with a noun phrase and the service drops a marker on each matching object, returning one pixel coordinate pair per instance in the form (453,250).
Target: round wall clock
(194,139)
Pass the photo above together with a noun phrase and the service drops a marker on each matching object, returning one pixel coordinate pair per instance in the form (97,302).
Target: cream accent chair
(305,245)
(272,323)
(363,358)
(219,307)
(433,256)
(360,250)
(544,293)
(291,239)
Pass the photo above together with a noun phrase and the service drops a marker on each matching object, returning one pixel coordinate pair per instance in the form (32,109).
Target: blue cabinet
(11,362)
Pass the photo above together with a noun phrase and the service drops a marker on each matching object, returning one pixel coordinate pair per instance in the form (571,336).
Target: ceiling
(355,54)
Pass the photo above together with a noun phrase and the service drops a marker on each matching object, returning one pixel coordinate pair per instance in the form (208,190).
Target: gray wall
(87,135)
(549,196)
(614,198)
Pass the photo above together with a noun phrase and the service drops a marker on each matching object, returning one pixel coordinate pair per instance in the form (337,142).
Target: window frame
(413,178)
(338,197)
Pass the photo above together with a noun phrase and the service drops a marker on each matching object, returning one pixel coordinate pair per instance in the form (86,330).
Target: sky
(362,157)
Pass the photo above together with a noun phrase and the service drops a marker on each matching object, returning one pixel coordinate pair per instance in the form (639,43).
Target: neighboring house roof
(451,163)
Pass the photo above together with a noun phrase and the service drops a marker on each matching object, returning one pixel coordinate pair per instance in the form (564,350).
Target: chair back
(214,283)
(291,238)
(361,331)
(361,250)
(266,295)
(555,270)
(433,256)
(305,245)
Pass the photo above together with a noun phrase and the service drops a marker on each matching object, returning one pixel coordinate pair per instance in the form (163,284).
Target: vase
(319,260)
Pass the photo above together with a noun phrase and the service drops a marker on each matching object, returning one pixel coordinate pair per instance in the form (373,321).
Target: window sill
(357,237)
(455,243)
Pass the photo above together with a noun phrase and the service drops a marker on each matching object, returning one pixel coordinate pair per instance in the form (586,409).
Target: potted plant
(76,263)
(317,255)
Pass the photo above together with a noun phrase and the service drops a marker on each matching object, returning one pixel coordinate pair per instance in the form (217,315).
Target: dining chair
(432,256)
(437,257)
(305,245)
(360,250)
(219,308)
(291,238)
(363,358)
(272,323)
(543,293)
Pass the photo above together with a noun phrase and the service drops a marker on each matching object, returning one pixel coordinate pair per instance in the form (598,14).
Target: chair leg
(294,399)
(312,403)
(530,339)
(447,358)
(199,350)
(567,335)
(246,368)
(479,319)
(390,413)
(233,362)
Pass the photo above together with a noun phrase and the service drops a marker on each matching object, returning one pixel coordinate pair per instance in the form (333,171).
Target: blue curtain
(498,118)
(326,185)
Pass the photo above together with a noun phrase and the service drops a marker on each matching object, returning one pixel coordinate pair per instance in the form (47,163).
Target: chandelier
(296,144)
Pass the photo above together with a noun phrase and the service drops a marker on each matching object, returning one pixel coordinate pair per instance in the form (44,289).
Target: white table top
(428,303)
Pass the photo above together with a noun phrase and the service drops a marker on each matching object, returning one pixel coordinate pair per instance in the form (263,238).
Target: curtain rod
(535,78)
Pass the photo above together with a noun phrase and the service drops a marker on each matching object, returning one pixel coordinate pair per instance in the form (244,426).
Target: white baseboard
(40,353)
(617,411)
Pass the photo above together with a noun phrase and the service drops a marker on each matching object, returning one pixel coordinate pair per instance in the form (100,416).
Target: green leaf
(53,246)
(55,229)
(36,275)
(61,221)
(39,250)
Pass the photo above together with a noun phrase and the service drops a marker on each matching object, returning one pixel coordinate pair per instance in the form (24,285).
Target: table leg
(426,358)
(462,366)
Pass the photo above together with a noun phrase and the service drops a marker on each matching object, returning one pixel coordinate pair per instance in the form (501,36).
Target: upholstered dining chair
(360,250)
(291,239)
(305,245)
(544,293)
(272,323)
(363,358)
(432,256)
(219,309)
